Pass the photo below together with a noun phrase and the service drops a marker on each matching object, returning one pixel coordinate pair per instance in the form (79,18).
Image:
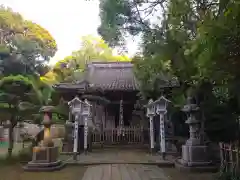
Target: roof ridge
(110,65)
(111,62)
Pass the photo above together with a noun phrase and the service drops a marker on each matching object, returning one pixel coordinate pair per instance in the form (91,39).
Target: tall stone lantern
(161,109)
(75,107)
(191,110)
(150,114)
(194,153)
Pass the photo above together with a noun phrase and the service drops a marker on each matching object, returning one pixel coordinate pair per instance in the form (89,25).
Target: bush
(24,155)
(228,176)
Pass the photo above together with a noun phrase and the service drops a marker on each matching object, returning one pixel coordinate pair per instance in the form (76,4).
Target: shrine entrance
(121,127)
(135,136)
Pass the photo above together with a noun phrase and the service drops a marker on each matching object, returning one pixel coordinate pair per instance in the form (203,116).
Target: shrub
(24,155)
(228,176)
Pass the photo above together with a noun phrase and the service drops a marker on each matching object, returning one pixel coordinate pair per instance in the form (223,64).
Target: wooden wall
(105,118)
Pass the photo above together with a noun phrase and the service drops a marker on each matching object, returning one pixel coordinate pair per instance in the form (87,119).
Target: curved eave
(81,88)
(99,99)
(69,86)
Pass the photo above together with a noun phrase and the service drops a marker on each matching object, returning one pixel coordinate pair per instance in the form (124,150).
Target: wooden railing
(126,135)
(230,157)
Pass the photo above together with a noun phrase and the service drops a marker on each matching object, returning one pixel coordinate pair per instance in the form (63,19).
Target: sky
(66,20)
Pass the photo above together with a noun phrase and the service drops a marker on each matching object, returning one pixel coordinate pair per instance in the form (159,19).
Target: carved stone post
(85,115)
(151,114)
(75,138)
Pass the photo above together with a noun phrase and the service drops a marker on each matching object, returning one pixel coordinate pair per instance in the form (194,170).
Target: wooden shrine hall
(111,88)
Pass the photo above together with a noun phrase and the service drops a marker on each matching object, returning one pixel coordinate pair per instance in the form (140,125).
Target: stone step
(43,168)
(44,163)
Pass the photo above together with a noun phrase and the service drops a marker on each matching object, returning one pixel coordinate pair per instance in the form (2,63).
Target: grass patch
(11,168)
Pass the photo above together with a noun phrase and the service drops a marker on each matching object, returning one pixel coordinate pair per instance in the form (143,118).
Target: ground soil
(16,172)
(175,174)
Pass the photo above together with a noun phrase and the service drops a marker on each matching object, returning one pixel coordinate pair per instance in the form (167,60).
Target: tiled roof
(108,76)
(73,85)
(112,76)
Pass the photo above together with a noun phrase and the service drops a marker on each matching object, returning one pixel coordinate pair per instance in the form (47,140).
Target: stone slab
(124,172)
(196,169)
(41,168)
(119,157)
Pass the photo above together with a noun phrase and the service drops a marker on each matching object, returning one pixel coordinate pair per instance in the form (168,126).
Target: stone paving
(121,156)
(124,172)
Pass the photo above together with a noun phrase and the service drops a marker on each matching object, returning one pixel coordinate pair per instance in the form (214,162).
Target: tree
(92,49)
(14,89)
(23,98)
(24,46)
(196,41)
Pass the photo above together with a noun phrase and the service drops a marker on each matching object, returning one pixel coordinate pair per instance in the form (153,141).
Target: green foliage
(24,46)
(23,156)
(13,91)
(195,41)
(25,49)
(227,173)
(23,97)
(72,67)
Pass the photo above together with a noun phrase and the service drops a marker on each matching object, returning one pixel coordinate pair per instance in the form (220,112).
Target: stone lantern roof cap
(161,99)
(190,106)
(46,109)
(150,104)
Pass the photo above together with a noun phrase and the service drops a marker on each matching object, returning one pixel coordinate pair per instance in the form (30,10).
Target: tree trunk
(10,140)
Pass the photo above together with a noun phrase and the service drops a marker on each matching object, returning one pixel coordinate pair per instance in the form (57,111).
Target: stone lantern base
(195,159)
(45,160)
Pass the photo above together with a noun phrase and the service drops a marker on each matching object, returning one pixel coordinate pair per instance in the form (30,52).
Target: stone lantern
(45,154)
(191,110)
(161,109)
(194,153)
(150,108)
(161,105)
(75,106)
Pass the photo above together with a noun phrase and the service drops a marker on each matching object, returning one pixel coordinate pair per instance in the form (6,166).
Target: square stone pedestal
(46,159)
(48,154)
(67,148)
(195,155)
(195,158)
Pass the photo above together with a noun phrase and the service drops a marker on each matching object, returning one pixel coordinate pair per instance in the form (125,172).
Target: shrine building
(112,89)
